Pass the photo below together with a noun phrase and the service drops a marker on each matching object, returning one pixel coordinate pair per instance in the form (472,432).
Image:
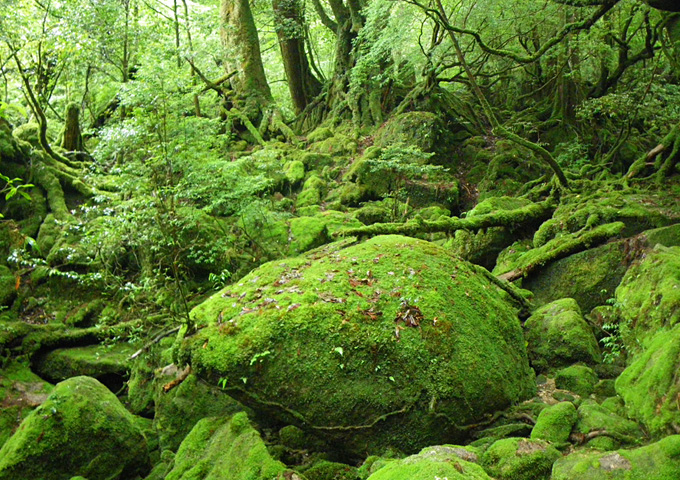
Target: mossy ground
(388,338)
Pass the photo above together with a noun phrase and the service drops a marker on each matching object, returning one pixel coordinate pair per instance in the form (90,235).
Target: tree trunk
(290,29)
(242,49)
(72,140)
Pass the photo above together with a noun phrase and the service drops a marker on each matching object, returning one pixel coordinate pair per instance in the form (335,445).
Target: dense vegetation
(374,226)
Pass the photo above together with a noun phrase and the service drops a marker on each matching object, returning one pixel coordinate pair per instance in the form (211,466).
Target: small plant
(612,344)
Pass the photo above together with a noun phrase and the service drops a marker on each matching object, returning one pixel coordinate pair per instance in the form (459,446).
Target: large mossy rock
(616,430)
(658,461)
(390,342)
(520,459)
(81,429)
(554,423)
(649,296)
(443,462)
(226,448)
(649,385)
(557,336)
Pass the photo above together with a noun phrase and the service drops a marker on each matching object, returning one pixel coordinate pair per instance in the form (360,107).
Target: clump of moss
(616,430)
(658,461)
(80,429)
(520,459)
(557,335)
(325,470)
(444,461)
(554,423)
(226,448)
(579,379)
(390,336)
(649,384)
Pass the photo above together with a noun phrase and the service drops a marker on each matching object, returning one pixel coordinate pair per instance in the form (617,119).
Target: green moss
(28,132)
(224,448)
(325,470)
(108,364)
(81,429)
(658,461)
(178,410)
(557,335)
(618,431)
(8,291)
(649,384)
(319,135)
(445,461)
(307,233)
(312,192)
(326,321)
(554,423)
(520,459)
(424,130)
(648,297)
(294,172)
(589,277)
(578,379)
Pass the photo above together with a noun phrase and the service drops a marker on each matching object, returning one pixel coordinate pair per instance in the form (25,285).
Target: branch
(210,85)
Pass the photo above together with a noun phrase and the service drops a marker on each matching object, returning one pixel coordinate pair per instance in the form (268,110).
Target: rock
(444,462)
(226,448)
(294,172)
(616,431)
(578,379)
(178,410)
(21,391)
(658,461)
(554,423)
(557,335)
(8,291)
(520,459)
(389,336)
(325,470)
(649,297)
(80,429)
(649,384)
(106,363)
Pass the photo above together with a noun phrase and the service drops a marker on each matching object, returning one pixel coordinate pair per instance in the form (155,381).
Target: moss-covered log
(534,212)
(563,247)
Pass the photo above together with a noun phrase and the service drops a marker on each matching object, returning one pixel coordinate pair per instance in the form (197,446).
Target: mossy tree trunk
(72,140)
(290,29)
(242,52)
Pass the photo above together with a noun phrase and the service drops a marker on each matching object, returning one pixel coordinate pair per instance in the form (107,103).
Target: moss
(424,130)
(444,461)
(520,459)
(649,384)
(658,461)
(319,135)
(307,233)
(178,410)
(337,145)
(578,379)
(325,470)
(312,192)
(108,364)
(557,335)
(81,429)
(8,290)
(326,320)
(224,448)
(554,423)
(618,431)
(294,172)
(648,297)
(28,132)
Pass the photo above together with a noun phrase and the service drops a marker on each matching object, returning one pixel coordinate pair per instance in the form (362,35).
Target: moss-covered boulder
(444,462)
(554,423)
(227,448)
(21,391)
(80,429)
(325,470)
(557,335)
(179,409)
(106,363)
(649,385)
(389,342)
(578,379)
(649,296)
(614,430)
(520,459)
(424,130)
(658,461)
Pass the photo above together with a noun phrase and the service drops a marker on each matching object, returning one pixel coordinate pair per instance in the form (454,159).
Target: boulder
(554,423)
(649,385)
(444,462)
(520,459)
(390,342)
(557,336)
(80,429)
(615,430)
(226,448)
(578,379)
(658,461)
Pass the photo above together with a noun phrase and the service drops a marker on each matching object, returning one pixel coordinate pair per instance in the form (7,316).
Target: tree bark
(73,140)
